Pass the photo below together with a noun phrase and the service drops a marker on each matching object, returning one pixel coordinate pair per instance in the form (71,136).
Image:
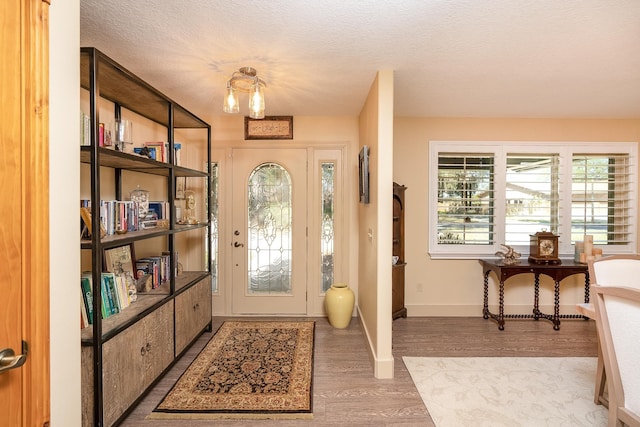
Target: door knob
(9,360)
(238,245)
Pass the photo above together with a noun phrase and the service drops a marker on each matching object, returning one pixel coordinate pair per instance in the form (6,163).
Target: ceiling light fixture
(245,80)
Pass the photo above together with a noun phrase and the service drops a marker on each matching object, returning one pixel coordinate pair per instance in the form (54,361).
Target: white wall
(64,187)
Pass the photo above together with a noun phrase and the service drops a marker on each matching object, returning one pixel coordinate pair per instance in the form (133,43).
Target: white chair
(615,270)
(611,270)
(618,324)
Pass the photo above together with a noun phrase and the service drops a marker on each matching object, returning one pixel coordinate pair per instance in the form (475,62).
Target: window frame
(500,149)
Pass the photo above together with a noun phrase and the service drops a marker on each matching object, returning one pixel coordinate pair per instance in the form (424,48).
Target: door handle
(238,245)
(9,359)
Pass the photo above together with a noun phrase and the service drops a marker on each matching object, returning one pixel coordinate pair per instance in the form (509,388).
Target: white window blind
(465,199)
(485,194)
(601,198)
(531,196)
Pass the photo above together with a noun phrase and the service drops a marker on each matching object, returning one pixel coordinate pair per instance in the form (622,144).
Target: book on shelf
(85,129)
(105,310)
(177,158)
(84,316)
(161,151)
(119,292)
(123,292)
(115,216)
(87,295)
(159,209)
(115,296)
(108,286)
(167,254)
(104,135)
(156,266)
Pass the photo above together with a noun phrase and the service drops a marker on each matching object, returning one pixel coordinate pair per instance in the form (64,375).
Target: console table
(557,272)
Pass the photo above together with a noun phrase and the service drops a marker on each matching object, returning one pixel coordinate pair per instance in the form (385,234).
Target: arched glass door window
(269,230)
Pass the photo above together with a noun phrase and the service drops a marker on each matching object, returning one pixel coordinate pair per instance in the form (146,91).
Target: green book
(87,296)
(109,280)
(104,294)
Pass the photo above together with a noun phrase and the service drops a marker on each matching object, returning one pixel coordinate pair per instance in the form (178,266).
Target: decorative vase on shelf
(339,301)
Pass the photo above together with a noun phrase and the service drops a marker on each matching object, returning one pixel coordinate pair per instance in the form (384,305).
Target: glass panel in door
(269,231)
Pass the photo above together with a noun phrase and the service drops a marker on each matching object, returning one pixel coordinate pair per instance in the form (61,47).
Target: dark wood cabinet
(397,300)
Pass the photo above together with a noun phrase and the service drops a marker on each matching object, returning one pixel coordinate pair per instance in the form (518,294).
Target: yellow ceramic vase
(339,301)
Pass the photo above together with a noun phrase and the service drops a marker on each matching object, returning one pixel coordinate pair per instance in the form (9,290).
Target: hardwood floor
(344,390)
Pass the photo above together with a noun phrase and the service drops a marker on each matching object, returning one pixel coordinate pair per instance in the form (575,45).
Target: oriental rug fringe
(248,370)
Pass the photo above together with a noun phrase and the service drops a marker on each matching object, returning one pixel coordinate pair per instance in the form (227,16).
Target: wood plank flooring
(345,391)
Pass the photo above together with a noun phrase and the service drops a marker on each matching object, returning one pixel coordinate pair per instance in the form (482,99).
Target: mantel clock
(543,248)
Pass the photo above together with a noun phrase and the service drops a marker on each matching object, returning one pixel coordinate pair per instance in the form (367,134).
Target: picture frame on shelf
(120,260)
(271,127)
(363,174)
(181,184)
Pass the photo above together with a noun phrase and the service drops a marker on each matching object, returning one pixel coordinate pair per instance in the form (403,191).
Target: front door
(269,247)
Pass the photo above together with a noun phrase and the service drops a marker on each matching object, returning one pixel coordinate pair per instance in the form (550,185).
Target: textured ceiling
(451,58)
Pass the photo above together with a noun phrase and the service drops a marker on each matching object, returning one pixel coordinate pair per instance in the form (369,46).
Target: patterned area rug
(508,391)
(249,369)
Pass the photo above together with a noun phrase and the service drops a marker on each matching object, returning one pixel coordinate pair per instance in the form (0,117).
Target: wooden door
(24,209)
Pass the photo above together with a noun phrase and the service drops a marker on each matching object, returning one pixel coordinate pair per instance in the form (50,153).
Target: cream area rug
(508,391)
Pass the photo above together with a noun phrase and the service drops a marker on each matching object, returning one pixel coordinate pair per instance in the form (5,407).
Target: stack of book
(114,294)
(104,134)
(157,267)
(157,211)
(117,215)
(159,151)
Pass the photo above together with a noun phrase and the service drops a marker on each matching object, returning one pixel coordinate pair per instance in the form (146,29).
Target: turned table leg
(556,306)
(501,315)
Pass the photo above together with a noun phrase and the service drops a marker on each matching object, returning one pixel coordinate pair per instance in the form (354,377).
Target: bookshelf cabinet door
(158,328)
(133,359)
(193,313)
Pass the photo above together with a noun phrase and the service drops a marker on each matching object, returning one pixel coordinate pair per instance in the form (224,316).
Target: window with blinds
(489,194)
(601,198)
(531,196)
(465,199)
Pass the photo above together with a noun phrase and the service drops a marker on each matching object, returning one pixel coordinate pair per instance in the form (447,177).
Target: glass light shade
(256,101)
(231,104)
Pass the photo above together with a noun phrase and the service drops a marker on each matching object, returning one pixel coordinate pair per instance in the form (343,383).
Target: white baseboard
(382,368)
